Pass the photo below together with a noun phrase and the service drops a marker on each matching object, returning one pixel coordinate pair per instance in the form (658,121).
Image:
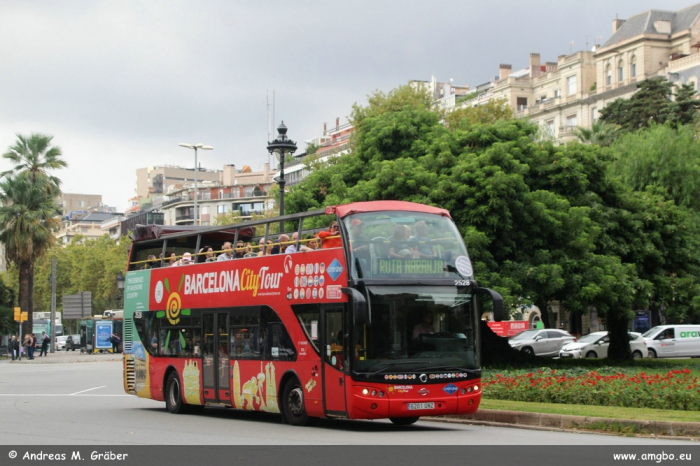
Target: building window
(608,75)
(594,114)
(557,93)
(633,67)
(221,209)
(571,85)
(571,122)
(204,210)
(550,128)
(521,102)
(621,71)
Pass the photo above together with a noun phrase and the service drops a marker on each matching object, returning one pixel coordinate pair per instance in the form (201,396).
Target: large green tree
(29,211)
(543,222)
(654,103)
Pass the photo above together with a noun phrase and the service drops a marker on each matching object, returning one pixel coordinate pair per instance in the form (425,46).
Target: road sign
(77,306)
(18,312)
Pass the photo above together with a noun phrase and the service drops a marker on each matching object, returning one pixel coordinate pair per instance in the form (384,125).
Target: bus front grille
(130,376)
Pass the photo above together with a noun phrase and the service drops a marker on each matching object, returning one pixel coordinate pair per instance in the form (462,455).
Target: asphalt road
(57,402)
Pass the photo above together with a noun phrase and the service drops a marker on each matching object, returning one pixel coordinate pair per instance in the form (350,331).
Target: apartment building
(167,178)
(243,191)
(73,202)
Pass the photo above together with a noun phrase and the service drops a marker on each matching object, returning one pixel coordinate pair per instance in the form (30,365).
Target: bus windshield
(398,244)
(418,328)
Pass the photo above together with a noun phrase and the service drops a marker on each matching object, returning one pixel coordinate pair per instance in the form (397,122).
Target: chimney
(324,128)
(504,71)
(337,123)
(229,175)
(266,171)
(551,66)
(535,65)
(617,23)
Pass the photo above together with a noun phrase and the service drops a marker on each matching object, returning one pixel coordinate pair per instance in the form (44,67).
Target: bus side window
(277,344)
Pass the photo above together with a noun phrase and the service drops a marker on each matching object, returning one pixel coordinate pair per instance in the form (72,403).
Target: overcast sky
(120,83)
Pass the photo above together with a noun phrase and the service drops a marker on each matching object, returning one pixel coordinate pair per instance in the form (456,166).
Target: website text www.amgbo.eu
(656,457)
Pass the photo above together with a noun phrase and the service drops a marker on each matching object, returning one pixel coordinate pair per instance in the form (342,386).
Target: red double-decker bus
(380,321)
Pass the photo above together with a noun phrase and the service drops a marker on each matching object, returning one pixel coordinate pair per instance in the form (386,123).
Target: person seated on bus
(282,243)
(151,262)
(420,243)
(424,326)
(331,238)
(249,250)
(312,243)
(398,246)
(228,252)
(186,259)
(293,246)
(265,250)
(240,250)
(172,260)
(206,254)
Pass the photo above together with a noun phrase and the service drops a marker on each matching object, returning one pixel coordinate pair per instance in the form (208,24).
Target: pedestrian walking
(45,339)
(11,347)
(115,340)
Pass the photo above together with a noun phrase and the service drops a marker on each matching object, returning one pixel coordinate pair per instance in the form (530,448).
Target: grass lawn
(593,411)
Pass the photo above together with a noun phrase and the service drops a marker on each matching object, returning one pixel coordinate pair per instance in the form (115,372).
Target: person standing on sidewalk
(11,347)
(45,339)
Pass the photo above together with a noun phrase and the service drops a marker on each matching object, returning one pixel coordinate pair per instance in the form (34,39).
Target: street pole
(196,219)
(53,305)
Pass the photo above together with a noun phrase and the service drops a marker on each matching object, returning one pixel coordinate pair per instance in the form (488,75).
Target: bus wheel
(173,395)
(293,404)
(404,421)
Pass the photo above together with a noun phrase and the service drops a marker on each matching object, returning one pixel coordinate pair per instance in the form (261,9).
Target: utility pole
(53,305)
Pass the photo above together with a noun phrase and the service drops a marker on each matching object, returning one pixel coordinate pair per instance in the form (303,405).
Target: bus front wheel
(404,421)
(293,404)
(173,395)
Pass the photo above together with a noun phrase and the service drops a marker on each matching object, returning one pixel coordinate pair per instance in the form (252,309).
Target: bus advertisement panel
(361,329)
(103,333)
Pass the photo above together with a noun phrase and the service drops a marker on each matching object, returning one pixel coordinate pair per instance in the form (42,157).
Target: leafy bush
(675,389)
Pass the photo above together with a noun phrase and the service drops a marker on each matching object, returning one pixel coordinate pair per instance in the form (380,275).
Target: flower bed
(676,389)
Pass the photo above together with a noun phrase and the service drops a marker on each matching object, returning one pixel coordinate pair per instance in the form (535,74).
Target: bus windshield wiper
(388,365)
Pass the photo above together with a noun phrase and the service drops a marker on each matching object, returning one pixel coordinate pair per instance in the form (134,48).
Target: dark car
(72,342)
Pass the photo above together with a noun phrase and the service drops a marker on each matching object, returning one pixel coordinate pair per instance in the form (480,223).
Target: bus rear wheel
(173,395)
(293,404)
(404,421)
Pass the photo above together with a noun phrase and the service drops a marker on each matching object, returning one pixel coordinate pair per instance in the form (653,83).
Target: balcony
(682,63)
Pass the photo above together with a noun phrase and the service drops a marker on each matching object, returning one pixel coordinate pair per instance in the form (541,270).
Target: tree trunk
(619,348)
(24,269)
(544,312)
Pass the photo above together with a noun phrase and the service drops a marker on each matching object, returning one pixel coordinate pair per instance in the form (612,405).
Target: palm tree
(33,155)
(602,134)
(29,214)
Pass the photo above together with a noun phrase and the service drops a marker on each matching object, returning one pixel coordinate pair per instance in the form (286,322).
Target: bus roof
(375,206)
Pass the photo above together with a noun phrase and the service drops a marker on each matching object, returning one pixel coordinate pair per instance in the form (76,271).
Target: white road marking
(89,389)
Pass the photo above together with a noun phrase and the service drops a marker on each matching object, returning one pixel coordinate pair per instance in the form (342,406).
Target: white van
(673,341)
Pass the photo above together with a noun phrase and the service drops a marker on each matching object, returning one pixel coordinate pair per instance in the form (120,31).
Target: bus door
(335,359)
(215,358)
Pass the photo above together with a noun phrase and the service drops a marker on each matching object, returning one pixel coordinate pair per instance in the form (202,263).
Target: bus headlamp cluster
(373,392)
(470,389)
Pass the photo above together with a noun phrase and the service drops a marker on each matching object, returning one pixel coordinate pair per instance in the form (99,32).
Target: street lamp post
(281,147)
(195,147)
(120,289)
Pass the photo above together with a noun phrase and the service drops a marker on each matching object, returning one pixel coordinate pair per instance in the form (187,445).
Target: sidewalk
(541,421)
(63,357)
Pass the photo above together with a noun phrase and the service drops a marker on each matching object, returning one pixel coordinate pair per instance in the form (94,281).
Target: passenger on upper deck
(331,238)
(420,243)
(227,255)
(240,249)
(398,246)
(208,253)
(283,241)
(293,247)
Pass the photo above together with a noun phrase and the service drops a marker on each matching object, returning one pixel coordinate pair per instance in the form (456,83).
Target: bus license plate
(412,406)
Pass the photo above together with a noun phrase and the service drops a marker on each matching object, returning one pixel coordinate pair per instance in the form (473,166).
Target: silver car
(542,342)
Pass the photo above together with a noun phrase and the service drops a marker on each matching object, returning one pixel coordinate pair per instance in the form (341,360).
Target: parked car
(595,345)
(673,341)
(73,342)
(542,342)
(61,342)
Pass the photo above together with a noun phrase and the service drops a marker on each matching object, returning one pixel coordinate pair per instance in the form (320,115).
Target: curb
(542,421)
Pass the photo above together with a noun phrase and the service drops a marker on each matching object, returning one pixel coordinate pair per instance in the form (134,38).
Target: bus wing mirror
(498,313)
(359,306)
